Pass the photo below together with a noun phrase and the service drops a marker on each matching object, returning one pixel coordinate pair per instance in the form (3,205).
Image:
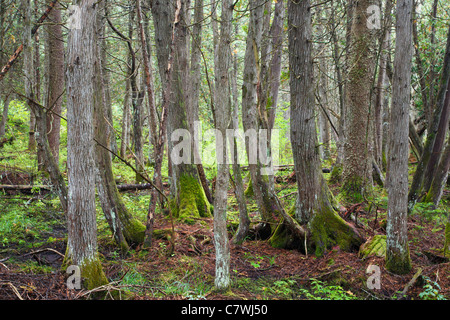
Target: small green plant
(320,291)
(431,290)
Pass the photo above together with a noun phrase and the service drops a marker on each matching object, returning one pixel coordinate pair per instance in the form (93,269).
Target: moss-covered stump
(191,201)
(375,246)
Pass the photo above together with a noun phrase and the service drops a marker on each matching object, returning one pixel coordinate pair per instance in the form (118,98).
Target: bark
(322,95)
(340,84)
(166,78)
(397,250)
(81,215)
(322,226)
(244,221)
(194,88)
(55,80)
(28,69)
(223,117)
(137,98)
(125,120)
(381,85)
(189,196)
(4,114)
(148,75)
(357,165)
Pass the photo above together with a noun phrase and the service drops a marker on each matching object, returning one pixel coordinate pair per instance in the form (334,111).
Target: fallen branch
(411,282)
(45,249)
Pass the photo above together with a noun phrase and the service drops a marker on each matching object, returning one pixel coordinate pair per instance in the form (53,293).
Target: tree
(267,201)
(397,249)
(223,118)
(357,162)
(126,230)
(81,215)
(188,196)
(314,220)
(55,89)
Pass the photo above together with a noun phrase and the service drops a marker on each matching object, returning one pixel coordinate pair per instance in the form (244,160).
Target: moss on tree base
(326,230)
(134,231)
(398,263)
(191,201)
(91,270)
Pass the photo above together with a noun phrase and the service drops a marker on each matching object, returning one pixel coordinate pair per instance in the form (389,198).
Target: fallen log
(22,187)
(138,186)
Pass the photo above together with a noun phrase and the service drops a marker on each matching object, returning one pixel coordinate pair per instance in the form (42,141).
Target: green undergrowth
(292,288)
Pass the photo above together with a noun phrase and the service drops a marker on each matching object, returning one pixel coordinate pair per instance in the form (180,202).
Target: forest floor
(31,253)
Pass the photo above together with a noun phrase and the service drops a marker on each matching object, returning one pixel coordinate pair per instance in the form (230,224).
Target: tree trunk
(188,196)
(55,80)
(244,221)
(268,205)
(137,98)
(223,117)
(397,249)
(439,143)
(126,230)
(381,85)
(28,69)
(81,216)
(357,165)
(321,224)
(4,114)
(436,189)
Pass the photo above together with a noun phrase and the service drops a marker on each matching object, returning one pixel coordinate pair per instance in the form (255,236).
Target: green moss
(134,231)
(282,237)
(374,247)
(328,229)
(447,238)
(249,190)
(352,190)
(92,274)
(336,174)
(191,201)
(398,263)
(91,271)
